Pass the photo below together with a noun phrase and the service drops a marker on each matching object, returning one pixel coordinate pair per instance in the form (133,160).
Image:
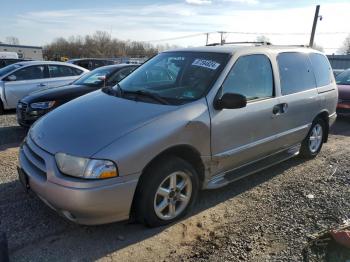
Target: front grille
(35,162)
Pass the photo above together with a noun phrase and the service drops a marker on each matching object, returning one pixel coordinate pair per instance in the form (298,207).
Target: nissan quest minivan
(186,120)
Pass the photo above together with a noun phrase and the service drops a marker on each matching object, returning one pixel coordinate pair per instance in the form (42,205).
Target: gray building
(339,61)
(25,52)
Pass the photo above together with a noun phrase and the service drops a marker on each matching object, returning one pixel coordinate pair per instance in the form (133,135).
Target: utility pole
(314,26)
(207,39)
(222,41)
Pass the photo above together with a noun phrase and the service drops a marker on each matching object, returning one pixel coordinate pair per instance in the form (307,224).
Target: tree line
(99,45)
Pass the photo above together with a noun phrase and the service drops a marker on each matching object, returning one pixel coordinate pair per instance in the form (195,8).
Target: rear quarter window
(296,74)
(322,69)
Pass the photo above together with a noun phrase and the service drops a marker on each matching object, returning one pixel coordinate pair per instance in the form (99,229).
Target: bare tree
(99,45)
(12,40)
(318,47)
(262,38)
(345,49)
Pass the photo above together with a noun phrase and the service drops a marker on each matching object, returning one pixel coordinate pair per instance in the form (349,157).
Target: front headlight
(43,105)
(85,167)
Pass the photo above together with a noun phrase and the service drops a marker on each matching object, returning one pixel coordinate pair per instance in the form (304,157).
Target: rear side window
(250,76)
(77,71)
(84,64)
(322,69)
(296,74)
(61,71)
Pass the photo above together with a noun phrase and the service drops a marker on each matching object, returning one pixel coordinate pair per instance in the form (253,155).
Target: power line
(244,33)
(177,38)
(292,33)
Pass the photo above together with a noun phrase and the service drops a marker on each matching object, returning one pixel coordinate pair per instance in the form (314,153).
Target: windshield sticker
(206,63)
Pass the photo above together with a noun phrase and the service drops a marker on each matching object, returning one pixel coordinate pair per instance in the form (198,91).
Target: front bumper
(81,201)
(343,108)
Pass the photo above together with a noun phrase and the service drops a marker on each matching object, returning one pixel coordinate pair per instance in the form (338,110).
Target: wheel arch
(324,115)
(185,152)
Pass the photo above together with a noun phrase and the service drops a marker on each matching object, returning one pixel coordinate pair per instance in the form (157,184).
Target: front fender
(190,125)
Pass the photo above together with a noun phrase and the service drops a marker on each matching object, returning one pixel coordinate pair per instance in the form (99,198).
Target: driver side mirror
(11,78)
(230,101)
(102,78)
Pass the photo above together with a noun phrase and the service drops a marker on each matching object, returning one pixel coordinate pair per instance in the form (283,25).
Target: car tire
(313,142)
(167,191)
(2,110)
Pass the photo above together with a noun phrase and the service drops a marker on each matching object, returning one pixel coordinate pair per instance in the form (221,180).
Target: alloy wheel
(315,139)
(173,195)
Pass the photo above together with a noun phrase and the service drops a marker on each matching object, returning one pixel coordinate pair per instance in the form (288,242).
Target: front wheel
(167,192)
(313,142)
(2,110)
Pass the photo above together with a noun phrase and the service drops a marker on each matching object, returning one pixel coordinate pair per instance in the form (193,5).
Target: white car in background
(20,79)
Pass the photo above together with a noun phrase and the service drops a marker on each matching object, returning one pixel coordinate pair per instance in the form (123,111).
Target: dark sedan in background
(343,82)
(37,104)
(91,63)
(9,61)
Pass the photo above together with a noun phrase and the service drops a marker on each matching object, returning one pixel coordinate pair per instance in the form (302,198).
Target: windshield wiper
(144,93)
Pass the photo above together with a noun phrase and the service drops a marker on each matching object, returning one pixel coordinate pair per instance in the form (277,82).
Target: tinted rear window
(295,72)
(322,69)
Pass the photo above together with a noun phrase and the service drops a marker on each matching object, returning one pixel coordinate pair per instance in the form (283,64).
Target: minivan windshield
(343,78)
(173,77)
(95,77)
(7,69)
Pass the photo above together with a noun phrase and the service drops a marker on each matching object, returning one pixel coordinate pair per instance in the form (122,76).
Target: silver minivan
(20,79)
(186,120)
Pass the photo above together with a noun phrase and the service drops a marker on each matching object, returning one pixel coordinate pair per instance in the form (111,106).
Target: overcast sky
(37,22)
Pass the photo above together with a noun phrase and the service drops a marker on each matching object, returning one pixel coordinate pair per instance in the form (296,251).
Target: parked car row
(35,105)
(20,79)
(185,120)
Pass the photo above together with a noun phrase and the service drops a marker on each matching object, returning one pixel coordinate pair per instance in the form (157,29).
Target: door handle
(280,109)
(42,84)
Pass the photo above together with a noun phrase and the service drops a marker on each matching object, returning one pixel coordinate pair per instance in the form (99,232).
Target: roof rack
(253,42)
(239,43)
(294,45)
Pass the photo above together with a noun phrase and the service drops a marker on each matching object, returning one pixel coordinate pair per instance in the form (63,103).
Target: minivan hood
(89,123)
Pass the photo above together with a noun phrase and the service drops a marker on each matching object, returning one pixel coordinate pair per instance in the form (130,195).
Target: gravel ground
(265,217)
(10,131)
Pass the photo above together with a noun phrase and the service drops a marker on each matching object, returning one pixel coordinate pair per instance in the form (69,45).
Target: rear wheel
(313,142)
(167,192)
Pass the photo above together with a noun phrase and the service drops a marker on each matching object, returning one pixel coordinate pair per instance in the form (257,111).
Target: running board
(251,168)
